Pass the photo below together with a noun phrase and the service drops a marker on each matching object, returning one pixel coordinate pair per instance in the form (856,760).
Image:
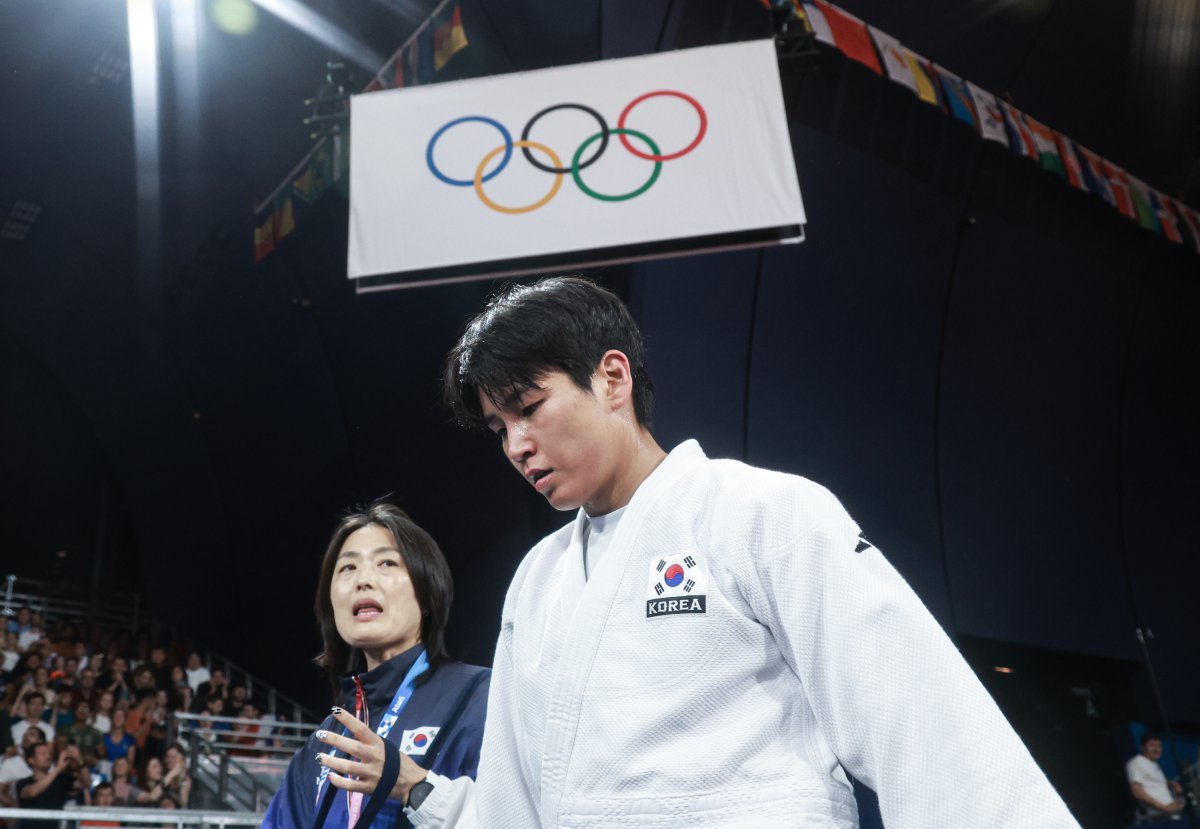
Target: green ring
(625,197)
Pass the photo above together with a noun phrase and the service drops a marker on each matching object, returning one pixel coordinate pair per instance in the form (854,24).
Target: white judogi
(792,649)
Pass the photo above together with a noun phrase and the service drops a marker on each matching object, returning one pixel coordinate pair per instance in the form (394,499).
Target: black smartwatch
(418,793)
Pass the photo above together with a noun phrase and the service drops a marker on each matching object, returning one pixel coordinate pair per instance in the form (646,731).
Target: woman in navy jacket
(383,600)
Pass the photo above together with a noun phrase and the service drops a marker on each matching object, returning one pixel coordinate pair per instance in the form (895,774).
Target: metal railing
(239,767)
(57,601)
(66,818)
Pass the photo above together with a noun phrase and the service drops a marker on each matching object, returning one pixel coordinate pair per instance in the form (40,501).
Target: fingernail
(320,758)
(336,710)
(320,735)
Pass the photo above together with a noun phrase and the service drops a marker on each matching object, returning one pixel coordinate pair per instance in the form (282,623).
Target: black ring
(560,170)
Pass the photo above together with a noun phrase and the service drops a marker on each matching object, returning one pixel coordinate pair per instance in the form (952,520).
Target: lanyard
(403,695)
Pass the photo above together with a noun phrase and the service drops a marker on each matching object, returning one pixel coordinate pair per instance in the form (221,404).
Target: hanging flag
(1094,175)
(1191,221)
(449,37)
(1140,193)
(1043,139)
(818,23)
(284,217)
(1119,183)
(850,36)
(399,73)
(1167,219)
(958,99)
(1066,149)
(264,238)
(1020,140)
(991,120)
(900,65)
(302,186)
(423,54)
(939,97)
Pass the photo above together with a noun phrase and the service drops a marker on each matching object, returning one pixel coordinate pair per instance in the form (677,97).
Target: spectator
(98,665)
(176,780)
(21,623)
(215,707)
(151,786)
(32,633)
(183,698)
(235,699)
(217,686)
(159,668)
(117,743)
(69,677)
(140,717)
(62,713)
(119,681)
(13,767)
(81,732)
(102,797)
(40,678)
(143,679)
(86,688)
(247,735)
(51,784)
(11,652)
(1157,799)
(29,706)
(196,673)
(124,792)
(102,719)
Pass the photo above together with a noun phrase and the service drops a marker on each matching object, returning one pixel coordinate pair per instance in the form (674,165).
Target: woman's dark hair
(431,580)
(562,322)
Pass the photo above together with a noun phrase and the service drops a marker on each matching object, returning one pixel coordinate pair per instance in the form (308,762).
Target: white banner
(609,161)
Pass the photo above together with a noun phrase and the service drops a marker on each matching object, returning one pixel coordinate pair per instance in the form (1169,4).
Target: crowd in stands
(86,716)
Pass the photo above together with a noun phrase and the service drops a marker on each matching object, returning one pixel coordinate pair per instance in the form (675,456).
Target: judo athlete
(706,644)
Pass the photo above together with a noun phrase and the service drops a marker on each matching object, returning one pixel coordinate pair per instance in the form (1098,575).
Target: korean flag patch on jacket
(677,584)
(416,742)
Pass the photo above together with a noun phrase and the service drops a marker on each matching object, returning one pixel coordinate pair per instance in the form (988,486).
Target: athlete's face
(565,441)
(374,605)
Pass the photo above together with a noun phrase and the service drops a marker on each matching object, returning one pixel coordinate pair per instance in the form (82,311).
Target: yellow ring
(533,145)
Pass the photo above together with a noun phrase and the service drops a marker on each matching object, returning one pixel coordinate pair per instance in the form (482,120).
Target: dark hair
(36,695)
(32,748)
(1148,737)
(427,568)
(102,785)
(562,322)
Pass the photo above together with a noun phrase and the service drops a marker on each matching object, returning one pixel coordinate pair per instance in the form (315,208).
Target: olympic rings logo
(578,164)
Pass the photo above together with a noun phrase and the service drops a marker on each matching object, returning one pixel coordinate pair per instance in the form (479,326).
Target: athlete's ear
(616,378)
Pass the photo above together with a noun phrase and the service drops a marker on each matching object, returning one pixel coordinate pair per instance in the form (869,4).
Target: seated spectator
(20,623)
(117,743)
(32,633)
(209,728)
(102,719)
(158,666)
(246,734)
(13,767)
(217,686)
(29,707)
(124,792)
(40,678)
(235,699)
(62,713)
(183,698)
(11,652)
(119,681)
(140,716)
(196,673)
(1157,799)
(69,677)
(81,733)
(102,797)
(151,786)
(176,780)
(86,687)
(52,784)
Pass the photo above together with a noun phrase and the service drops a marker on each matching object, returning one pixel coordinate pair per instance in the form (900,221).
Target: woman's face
(105,703)
(174,758)
(118,718)
(121,767)
(374,605)
(154,769)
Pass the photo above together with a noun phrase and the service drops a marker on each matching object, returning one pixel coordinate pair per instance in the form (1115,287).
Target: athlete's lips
(539,478)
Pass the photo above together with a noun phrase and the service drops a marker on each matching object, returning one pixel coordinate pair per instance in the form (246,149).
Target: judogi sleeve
(503,796)
(895,700)
(294,800)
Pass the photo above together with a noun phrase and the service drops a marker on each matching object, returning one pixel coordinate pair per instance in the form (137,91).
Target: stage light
(1002,669)
(301,17)
(235,17)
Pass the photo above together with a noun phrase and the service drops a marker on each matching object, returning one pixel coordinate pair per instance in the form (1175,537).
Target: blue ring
(508,149)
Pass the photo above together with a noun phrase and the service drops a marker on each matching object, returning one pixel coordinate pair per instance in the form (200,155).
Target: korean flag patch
(677,583)
(417,742)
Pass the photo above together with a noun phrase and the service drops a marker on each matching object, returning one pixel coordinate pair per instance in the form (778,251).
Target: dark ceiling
(197,422)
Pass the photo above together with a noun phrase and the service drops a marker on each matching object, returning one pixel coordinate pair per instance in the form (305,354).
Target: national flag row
(429,49)
(996,119)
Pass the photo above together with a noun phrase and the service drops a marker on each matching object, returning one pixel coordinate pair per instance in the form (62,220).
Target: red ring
(650,156)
